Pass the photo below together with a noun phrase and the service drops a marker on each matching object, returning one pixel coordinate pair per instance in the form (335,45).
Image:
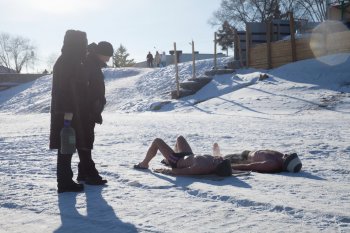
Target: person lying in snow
(265,161)
(183,162)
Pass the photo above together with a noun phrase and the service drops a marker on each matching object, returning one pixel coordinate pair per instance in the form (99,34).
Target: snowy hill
(302,107)
(127,89)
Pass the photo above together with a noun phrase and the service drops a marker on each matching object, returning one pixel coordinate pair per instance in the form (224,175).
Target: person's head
(224,168)
(104,51)
(245,154)
(74,44)
(91,48)
(291,163)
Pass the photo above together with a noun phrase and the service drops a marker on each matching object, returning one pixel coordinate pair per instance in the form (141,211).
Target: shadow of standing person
(98,210)
(100,216)
(71,219)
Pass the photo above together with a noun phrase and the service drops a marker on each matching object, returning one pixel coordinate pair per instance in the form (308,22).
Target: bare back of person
(264,155)
(204,164)
(261,161)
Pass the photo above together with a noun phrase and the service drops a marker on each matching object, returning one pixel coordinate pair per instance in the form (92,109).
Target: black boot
(72,187)
(91,180)
(81,173)
(65,175)
(88,170)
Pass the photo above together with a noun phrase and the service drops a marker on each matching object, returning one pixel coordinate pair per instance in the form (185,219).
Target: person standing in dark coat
(98,55)
(69,87)
(149,58)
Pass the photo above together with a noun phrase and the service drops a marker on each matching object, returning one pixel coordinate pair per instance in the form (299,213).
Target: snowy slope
(302,107)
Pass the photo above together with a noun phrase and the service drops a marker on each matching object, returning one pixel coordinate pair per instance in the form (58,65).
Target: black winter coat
(96,87)
(69,94)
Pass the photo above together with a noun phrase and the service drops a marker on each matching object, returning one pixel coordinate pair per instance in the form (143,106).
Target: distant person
(98,55)
(183,161)
(265,161)
(149,58)
(163,60)
(157,59)
(68,87)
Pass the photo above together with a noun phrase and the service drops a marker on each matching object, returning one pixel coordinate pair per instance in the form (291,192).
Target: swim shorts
(175,157)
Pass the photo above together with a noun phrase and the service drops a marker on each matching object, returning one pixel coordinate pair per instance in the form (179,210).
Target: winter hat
(104,48)
(91,48)
(224,168)
(292,163)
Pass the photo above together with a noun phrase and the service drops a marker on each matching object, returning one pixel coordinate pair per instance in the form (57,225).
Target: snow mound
(139,90)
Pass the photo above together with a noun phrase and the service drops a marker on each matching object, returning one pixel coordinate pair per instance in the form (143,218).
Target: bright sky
(139,25)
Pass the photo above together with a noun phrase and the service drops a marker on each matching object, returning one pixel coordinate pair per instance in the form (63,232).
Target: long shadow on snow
(242,106)
(100,216)
(192,100)
(184,181)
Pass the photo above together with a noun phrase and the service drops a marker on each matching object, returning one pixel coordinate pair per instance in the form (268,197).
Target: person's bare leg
(182,145)
(157,144)
(176,148)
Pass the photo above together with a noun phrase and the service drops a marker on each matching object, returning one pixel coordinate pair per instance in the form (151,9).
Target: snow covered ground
(302,107)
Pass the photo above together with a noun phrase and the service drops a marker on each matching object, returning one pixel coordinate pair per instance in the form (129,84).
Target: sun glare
(322,38)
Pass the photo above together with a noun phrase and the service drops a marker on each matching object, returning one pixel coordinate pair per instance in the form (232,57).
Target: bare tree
(4,55)
(51,59)
(239,12)
(15,51)
(316,9)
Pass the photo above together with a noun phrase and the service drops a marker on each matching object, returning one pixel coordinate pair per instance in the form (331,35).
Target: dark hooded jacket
(96,88)
(69,92)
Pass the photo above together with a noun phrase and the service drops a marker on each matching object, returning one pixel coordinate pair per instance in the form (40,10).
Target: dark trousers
(64,170)
(86,166)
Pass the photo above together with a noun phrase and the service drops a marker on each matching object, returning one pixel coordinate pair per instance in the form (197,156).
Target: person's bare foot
(216,150)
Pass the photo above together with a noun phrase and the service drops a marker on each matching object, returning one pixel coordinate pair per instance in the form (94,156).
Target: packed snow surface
(302,107)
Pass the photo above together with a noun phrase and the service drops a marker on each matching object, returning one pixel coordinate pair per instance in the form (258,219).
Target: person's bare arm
(265,167)
(187,171)
(181,171)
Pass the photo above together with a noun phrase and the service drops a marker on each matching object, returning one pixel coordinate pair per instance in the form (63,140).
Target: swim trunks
(175,157)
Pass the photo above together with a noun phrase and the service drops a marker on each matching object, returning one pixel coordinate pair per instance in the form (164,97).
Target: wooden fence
(258,33)
(274,54)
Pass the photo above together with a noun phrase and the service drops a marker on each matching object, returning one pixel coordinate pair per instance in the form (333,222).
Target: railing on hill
(19,78)
(14,79)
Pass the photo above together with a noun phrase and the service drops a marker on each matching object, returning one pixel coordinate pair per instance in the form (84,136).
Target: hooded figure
(69,88)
